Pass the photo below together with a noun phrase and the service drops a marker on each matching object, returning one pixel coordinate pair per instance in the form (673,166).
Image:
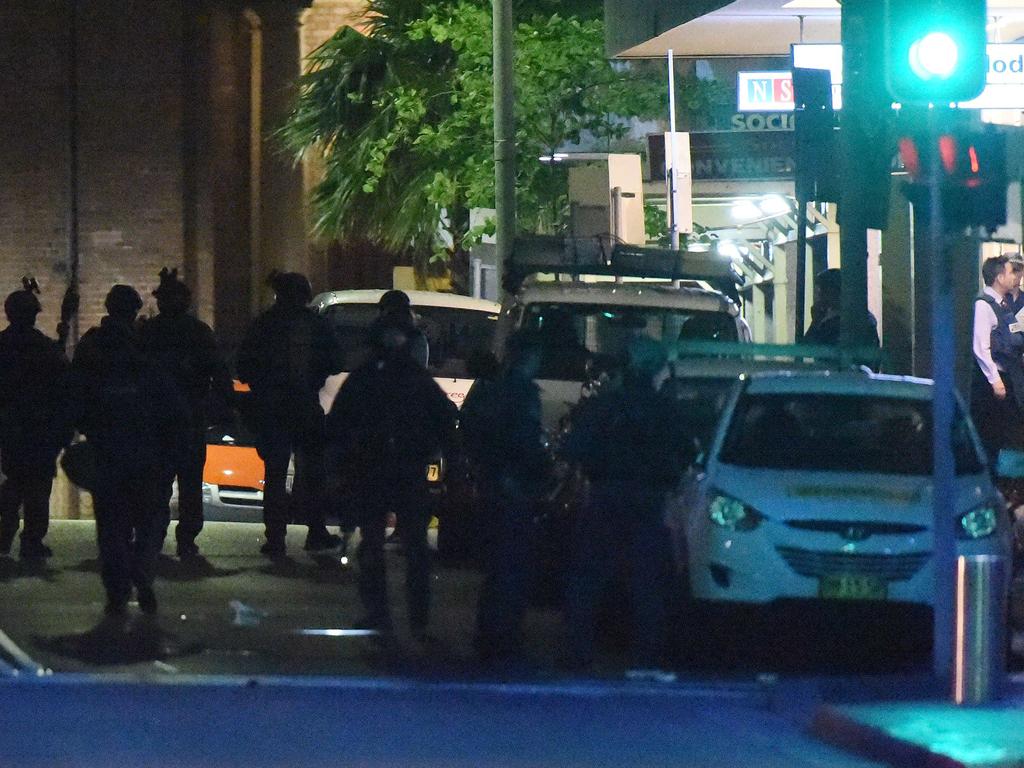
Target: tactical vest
(1007,346)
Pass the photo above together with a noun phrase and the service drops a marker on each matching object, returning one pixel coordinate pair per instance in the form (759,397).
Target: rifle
(68,312)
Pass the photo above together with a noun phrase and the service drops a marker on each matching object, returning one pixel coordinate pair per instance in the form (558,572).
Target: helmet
(292,288)
(172,295)
(123,301)
(22,307)
(394,301)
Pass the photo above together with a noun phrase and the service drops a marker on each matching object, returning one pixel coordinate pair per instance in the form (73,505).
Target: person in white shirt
(998,344)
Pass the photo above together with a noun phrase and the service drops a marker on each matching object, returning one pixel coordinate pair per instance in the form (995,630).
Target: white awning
(770,27)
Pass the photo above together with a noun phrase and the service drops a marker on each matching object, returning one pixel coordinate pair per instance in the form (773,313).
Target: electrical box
(606,197)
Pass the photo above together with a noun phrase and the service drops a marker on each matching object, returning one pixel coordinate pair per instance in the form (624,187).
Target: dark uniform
(33,427)
(389,418)
(136,422)
(184,348)
(501,428)
(632,449)
(286,356)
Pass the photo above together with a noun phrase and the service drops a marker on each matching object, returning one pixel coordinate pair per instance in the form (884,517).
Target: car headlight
(978,523)
(732,513)
(207,492)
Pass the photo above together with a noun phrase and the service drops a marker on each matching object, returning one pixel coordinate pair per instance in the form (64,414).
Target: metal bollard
(979,664)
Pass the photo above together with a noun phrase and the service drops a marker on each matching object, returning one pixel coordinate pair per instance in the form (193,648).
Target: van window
(574,334)
(453,334)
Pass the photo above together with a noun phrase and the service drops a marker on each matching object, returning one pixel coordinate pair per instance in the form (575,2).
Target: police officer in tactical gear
(396,312)
(997,389)
(33,427)
(286,356)
(389,418)
(500,424)
(136,422)
(184,348)
(630,446)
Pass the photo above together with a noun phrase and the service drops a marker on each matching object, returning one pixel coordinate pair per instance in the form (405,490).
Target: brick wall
(325,17)
(33,180)
(129,94)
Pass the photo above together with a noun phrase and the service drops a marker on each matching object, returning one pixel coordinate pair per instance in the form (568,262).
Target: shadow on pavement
(325,569)
(191,569)
(118,641)
(11,569)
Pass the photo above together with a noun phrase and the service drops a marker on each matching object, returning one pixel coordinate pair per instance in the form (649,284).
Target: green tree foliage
(404,120)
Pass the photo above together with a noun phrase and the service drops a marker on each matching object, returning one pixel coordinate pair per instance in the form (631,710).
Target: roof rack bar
(598,256)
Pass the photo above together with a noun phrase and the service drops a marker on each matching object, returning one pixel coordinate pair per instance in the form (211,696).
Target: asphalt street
(252,662)
(236,612)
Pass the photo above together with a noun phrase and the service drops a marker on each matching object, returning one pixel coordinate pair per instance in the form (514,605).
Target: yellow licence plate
(850,587)
(433,473)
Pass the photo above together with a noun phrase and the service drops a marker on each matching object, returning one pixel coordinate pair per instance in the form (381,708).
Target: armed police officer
(501,430)
(632,450)
(33,427)
(184,348)
(389,418)
(136,422)
(286,356)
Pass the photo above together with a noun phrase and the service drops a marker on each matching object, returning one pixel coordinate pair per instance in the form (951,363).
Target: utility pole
(865,158)
(504,127)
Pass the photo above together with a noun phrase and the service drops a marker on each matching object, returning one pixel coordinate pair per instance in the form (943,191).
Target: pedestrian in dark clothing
(184,348)
(388,420)
(33,427)
(501,430)
(136,422)
(826,311)
(285,358)
(631,448)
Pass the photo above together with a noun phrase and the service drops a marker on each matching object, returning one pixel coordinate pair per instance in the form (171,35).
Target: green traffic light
(935,50)
(934,56)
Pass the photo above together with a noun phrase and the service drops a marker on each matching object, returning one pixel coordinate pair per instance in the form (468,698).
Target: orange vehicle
(233,475)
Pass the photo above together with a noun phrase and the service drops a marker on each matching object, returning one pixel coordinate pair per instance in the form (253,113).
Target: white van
(455,327)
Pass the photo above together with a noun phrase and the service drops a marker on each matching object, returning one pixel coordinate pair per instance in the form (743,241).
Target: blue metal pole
(944,403)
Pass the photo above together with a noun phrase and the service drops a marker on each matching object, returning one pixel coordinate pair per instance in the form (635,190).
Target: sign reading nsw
(765,91)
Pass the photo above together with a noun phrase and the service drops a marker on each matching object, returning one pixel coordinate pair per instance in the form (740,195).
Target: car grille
(241,502)
(815,565)
(240,496)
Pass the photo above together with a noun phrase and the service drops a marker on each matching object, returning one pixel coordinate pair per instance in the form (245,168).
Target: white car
(818,486)
(455,326)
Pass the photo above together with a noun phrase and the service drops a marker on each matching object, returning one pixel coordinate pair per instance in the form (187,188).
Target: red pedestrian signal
(971,168)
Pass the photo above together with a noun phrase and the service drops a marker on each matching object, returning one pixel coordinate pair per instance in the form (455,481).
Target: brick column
(283,234)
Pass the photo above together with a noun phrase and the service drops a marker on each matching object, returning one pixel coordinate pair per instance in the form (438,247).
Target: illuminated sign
(1005,80)
(764,91)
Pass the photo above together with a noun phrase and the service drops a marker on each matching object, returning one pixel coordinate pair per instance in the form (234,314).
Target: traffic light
(815,135)
(972,179)
(935,51)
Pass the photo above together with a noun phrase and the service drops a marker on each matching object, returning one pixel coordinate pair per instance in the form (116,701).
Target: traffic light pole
(862,109)
(943,409)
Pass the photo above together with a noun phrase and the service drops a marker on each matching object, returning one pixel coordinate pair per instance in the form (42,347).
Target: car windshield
(845,433)
(575,334)
(453,334)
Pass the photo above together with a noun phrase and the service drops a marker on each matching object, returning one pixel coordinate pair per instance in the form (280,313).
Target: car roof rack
(598,256)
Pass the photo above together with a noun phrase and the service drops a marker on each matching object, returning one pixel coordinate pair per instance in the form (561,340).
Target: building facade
(137,135)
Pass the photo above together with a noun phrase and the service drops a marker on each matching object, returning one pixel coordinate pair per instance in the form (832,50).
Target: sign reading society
(773,91)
